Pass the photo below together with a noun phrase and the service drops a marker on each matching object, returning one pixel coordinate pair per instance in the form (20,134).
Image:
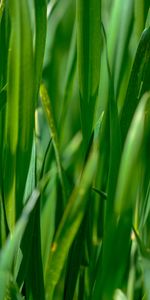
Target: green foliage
(75,143)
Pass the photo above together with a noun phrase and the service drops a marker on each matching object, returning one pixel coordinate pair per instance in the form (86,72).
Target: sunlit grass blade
(2,6)
(12,113)
(88,20)
(119,29)
(141,9)
(128,181)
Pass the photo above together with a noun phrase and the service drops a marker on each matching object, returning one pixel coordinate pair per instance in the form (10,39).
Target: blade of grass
(9,250)
(25,106)
(105,289)
(75,259)
(70,73)
(69,226)
(49,114)
(115,48)
(135,83)
(8,287)
(2,6)
(31,270)
(88,20)
(12,112)
(40,40)
(136,140)
(124,37)
(114,261)
(141,10)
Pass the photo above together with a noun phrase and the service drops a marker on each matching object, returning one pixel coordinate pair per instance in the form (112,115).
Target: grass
(74,159)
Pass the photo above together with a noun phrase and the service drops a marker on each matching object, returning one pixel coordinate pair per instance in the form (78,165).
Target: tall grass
(75,141)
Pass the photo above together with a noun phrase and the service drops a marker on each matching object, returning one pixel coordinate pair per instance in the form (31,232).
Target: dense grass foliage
(74,150)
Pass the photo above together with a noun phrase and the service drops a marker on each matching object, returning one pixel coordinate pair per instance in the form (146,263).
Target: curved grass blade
(137,76)
(118,35)
(51,7)
(8,253)
(31,262)
(49,114)
(69,226)
(9,250)
(138,135)
(141,11)
(88,18)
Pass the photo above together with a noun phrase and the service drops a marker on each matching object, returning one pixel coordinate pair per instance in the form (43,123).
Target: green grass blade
(70,74)
(40,40)
(8,287)
(141,10)
(69,226)
(124,37)
(2,6)
(25,106)
(136,139)
(8,252)
(49,114)
(31,262)
(88,20)
(135,83)
(146,271)
(114,262)
(115,141)
(76,259)
(12,113)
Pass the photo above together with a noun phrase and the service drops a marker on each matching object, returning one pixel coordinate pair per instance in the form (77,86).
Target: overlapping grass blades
(69,225)
(136,86)
(75,186)
(132,157)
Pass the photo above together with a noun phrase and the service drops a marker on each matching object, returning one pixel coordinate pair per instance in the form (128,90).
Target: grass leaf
(88,55)
(69,226)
